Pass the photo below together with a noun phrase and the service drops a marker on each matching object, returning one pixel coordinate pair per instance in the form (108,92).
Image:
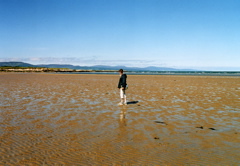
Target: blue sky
(198,34)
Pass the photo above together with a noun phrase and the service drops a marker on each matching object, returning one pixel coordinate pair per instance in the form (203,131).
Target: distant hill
(16,64)
(96,67)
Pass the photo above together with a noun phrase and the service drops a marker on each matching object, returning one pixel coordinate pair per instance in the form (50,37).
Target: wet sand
(53,119)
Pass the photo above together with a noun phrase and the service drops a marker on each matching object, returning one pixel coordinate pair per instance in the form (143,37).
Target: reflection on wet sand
(123,116)
(123,135)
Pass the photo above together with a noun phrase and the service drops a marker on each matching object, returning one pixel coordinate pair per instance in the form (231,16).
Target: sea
(191,73)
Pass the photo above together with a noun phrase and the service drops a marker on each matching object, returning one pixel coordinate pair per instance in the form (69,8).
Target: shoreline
(220,74)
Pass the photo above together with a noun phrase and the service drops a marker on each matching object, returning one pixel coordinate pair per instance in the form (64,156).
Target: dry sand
(53,119)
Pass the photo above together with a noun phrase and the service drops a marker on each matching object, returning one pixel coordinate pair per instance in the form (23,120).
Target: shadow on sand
(132,102)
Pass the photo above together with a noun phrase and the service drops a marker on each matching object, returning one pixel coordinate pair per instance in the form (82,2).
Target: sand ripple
(51,119)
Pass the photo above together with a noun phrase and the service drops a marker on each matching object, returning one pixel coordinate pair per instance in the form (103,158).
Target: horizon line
(175,67)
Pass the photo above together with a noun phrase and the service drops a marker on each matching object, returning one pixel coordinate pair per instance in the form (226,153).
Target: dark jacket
(122,81)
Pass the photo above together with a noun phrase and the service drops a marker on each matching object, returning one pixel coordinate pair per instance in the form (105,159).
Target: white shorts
(122,93)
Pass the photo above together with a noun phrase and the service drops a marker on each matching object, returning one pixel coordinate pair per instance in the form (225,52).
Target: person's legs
(122,97)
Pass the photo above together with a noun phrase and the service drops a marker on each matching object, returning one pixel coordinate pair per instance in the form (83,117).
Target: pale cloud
(13,59)
(86,61)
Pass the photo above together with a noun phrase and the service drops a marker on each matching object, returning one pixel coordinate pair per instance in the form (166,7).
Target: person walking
(122,85)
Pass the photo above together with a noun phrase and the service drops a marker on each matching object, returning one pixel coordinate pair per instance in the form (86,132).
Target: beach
(74,119)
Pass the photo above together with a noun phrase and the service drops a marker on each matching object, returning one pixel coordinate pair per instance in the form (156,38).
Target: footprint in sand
(160,122)
(212,128)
